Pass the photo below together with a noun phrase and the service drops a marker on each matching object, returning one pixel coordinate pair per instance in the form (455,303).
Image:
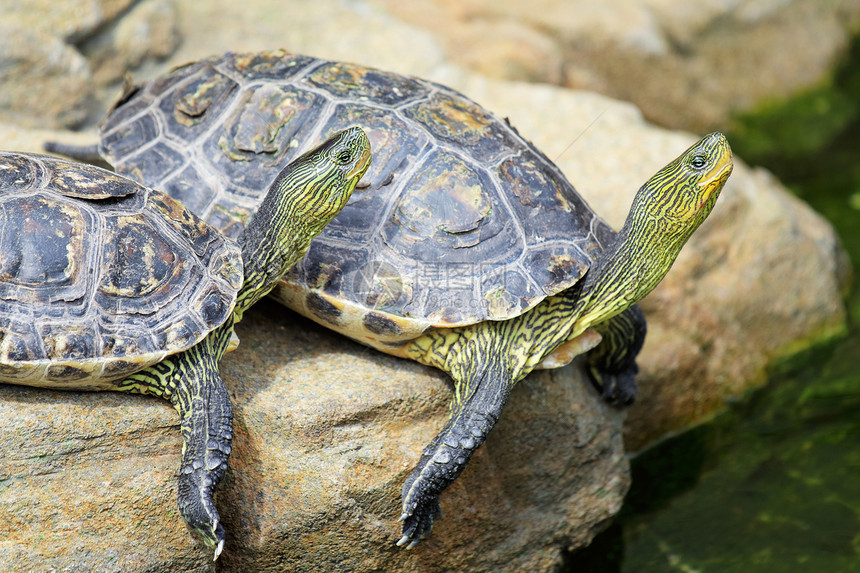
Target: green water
(772,485)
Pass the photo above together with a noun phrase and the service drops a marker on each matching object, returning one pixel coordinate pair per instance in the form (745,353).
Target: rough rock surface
(329,430)
(326,430)
(45,81)
(147,31)
(71,20)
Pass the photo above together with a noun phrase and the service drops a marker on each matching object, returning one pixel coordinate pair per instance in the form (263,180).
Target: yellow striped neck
(666,210)
(301,201)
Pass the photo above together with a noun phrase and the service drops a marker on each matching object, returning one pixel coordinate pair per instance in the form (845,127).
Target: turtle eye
(698,162)
(343,157)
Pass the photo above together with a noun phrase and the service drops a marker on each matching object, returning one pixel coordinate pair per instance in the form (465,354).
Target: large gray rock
(148,31)
(87,483)
(45,82)
(70,20)
(325,433)
(329,430)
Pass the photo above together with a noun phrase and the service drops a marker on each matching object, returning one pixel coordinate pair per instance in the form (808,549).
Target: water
(773,484)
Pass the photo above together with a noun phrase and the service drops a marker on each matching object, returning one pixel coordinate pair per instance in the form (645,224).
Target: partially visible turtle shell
(463,219)
(100,276)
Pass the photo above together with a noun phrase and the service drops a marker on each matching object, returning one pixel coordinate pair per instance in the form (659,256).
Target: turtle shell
(100,276)
(460,220)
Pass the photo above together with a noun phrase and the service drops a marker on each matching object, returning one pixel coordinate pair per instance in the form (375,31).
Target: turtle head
(304,197)
(674,202)
(666,210)
(318,184)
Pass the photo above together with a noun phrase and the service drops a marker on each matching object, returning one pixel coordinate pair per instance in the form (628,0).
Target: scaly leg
(476,408)
(485,361)
(192,383)
(612,363)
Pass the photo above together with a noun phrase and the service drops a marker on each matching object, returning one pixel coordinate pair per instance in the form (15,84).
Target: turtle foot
(196,487)
(204,463)
(442,461)
(421,491)
(615,389)
(191,381)
(207,431)
(418,521)
(612,364)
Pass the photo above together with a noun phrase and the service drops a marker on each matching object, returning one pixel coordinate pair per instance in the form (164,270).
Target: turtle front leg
(485,360)
(192,383)
(611,365)
(478,402)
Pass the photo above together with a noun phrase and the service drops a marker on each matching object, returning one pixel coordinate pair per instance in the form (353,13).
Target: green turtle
(468,251)
(109,285)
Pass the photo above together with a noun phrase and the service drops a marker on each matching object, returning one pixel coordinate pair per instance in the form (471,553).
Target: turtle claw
(418,520)
(404,540)
(622,392)
(218,549)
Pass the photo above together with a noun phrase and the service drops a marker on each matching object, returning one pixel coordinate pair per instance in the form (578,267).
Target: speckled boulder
(685,64)
(325,433)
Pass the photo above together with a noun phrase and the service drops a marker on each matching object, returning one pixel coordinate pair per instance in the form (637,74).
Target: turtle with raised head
(468,251)
(109,285)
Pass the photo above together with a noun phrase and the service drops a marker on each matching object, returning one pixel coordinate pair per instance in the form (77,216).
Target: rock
(70,20)
(45,83)
(325,433)
(348,31)
(686,64)
(48,82)
(149,31)
(87,483)
(329,431)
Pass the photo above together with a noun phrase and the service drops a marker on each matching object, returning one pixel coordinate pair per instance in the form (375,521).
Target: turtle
(468,250)
(107,284)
